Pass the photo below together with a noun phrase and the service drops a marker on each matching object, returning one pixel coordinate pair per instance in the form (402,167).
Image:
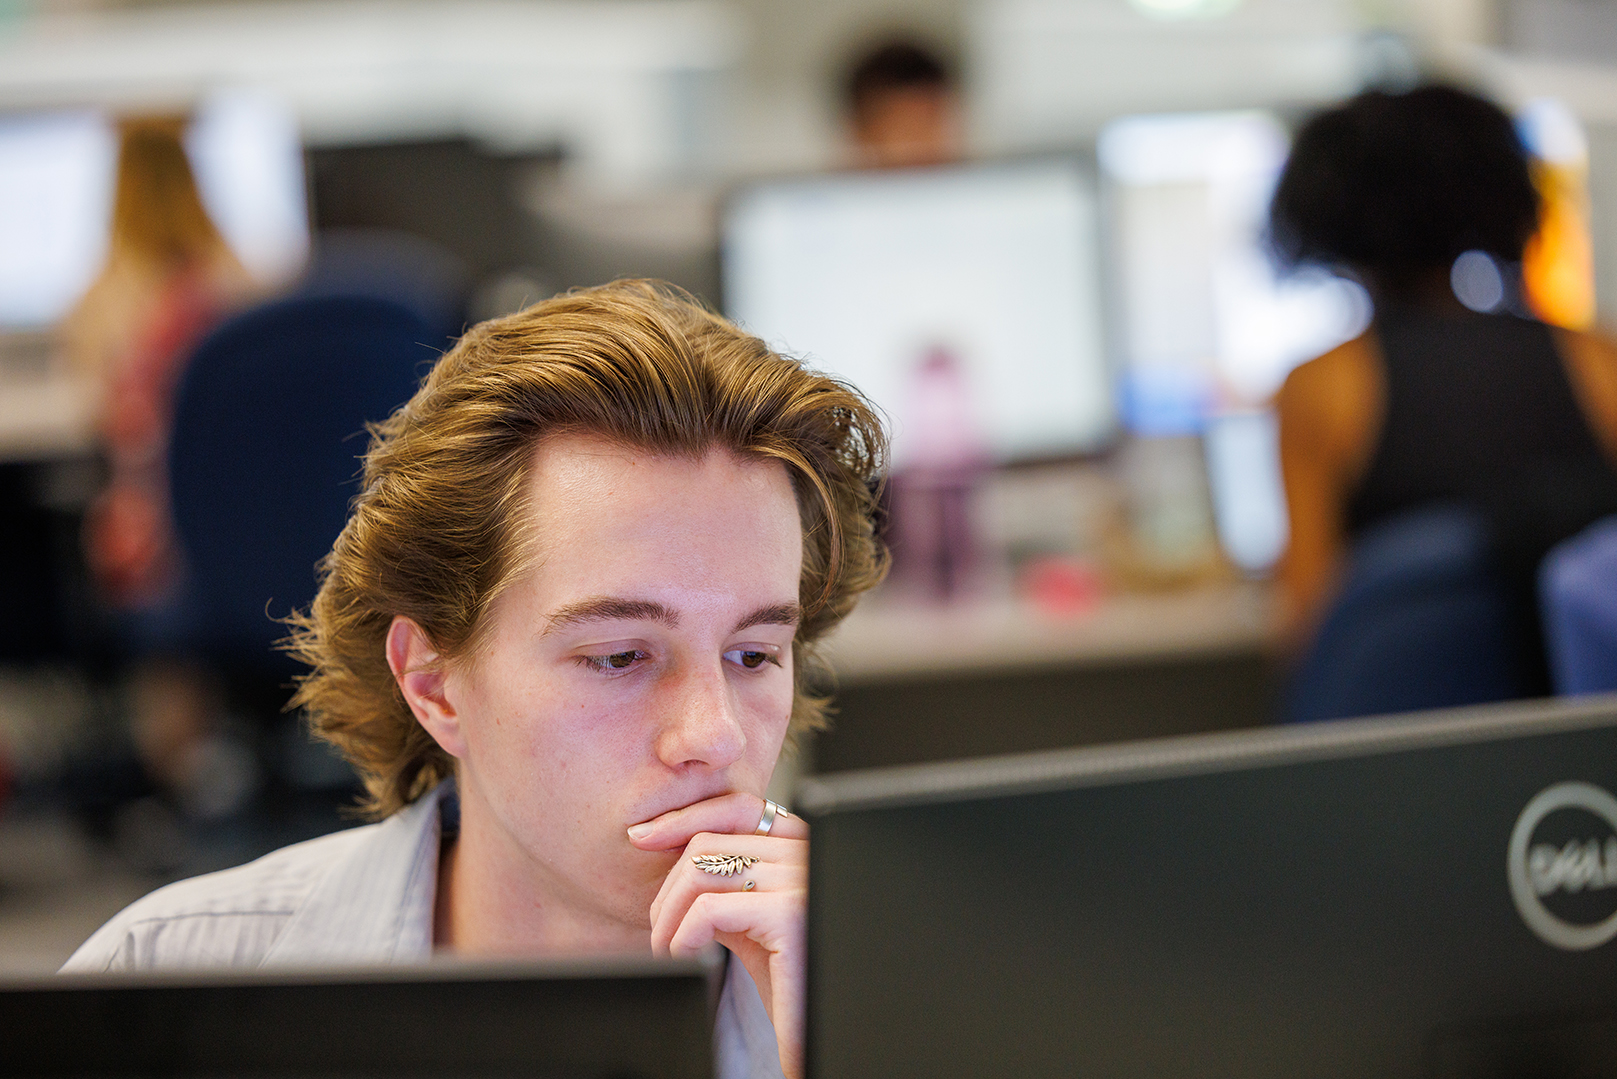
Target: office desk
(44,416)
(887,640)
(998,676)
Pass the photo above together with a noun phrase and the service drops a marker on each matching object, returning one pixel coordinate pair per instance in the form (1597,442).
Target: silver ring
(771,811)
(724,865)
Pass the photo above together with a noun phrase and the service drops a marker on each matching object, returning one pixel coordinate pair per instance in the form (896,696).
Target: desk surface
(45,415)
(884,640)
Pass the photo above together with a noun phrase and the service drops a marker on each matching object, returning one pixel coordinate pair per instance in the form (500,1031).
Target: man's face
(645,663)
(904,127)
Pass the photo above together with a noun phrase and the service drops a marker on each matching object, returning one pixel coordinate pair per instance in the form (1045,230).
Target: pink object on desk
(936,551)
(1061,586)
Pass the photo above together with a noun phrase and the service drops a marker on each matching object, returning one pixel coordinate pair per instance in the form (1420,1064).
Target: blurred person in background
(903,107)
(1437,403)
(169,277)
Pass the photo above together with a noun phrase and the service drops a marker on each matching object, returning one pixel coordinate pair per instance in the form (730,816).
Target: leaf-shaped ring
(723,865)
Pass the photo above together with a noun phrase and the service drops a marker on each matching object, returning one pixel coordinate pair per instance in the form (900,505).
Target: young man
(564,637)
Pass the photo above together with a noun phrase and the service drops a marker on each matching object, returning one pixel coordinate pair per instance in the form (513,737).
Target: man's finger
(763,848)
(732,814)
(766,849)
(770,919)
(671,906)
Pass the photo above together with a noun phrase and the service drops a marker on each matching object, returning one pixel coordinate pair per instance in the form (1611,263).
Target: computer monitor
(1424,896)
(600,1019)
(57,178)
(867,275)
(1204,317)
(1242,448)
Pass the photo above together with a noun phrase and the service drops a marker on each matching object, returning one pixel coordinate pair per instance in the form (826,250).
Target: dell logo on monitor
(1574,867)
(1562,865)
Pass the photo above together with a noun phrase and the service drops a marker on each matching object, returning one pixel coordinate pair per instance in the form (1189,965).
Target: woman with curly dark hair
(1435,403)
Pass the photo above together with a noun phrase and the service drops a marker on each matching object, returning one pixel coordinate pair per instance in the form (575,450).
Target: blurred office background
(1065,306)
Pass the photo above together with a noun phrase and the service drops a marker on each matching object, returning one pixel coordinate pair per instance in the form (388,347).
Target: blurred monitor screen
(1399,898)
(247,153)
(1249,500)
(56,175)
(867,275)
(57,179)
(1205,320)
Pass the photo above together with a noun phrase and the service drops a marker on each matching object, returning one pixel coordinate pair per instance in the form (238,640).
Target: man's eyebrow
(610,608)
(776,614)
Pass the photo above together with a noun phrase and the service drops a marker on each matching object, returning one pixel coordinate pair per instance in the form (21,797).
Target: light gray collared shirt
(363,896)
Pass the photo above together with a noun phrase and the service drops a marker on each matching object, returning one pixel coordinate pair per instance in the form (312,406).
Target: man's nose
(702,725)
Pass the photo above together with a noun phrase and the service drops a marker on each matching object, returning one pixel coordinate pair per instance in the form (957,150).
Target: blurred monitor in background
(903,106)
(56,173)
(1206,326)
(247,153)
(1206,320)
(872,277)
(1243,473)
(57,178)
(438,225)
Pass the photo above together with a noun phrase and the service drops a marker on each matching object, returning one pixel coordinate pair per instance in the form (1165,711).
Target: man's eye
(751,660)
(616,661)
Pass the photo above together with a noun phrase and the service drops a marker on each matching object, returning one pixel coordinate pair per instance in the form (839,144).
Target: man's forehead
(584,455)
(574,477)
(587,489)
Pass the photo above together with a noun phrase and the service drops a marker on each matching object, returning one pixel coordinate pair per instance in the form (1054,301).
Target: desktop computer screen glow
(57,177)
(1206,320)
(873,277)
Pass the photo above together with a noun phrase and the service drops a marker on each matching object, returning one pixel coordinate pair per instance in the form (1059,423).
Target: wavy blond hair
(436,534)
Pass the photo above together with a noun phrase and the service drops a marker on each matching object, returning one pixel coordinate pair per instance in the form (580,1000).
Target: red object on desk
(1061,586)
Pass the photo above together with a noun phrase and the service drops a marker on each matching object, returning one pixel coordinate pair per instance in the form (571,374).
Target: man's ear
(419,671)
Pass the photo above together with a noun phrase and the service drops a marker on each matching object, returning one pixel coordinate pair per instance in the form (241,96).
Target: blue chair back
(1423,621)
(269,429)
(412,271)
(1578,593)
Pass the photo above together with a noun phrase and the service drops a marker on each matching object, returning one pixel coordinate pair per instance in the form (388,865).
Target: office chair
(416,273)
(1578,594)
(1423,620)
(269,428)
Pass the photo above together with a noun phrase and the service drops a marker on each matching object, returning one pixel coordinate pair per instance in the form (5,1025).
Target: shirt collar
(376,904)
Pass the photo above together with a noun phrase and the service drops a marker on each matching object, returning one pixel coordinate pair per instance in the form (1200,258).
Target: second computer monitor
(986,272)
(1432,897)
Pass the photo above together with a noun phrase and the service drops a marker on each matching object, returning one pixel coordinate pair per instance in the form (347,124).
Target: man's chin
(644,879)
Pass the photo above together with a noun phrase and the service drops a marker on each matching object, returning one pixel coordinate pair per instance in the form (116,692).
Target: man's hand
(757,914)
